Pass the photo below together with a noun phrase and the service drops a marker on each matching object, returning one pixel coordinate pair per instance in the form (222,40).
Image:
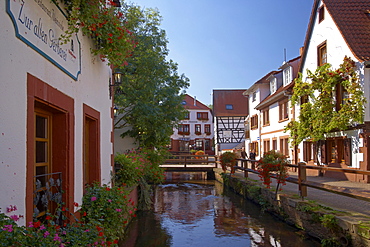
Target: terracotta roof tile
(191,105)
(221,98)
(353,20)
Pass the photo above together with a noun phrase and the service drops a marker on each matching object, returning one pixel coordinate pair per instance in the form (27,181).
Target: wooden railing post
(245,166)
(302,177)
(185,161)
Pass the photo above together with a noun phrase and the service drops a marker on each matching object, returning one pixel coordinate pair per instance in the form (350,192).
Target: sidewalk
(332,200)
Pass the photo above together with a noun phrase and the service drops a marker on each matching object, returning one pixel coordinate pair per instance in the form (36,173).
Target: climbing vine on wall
(108,25)
(335,102)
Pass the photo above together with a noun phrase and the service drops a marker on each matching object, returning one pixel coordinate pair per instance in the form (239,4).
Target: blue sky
(230,44)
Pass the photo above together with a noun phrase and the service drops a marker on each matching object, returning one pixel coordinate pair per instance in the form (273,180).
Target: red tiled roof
(234,97)
(278,95)
(191,105)
(353,20)
(263,80)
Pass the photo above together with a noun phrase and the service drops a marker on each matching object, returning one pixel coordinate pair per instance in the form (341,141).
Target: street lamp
(117,75)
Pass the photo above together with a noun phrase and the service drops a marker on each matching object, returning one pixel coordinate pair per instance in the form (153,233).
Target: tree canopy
(149,99)
(335,102)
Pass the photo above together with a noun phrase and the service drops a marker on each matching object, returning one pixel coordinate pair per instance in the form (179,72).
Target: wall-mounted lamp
(115,111)
(117,75)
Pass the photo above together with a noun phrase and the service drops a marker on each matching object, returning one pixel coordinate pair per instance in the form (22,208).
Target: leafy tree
(322,113)
(149,100)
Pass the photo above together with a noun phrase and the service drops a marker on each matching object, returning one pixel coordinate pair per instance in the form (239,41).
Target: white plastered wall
(91,89)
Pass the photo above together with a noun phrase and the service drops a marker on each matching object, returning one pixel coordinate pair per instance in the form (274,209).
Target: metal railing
(47,196)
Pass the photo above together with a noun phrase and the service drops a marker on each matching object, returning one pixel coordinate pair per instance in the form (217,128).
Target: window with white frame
(254,96)
(287,75)
(273,85)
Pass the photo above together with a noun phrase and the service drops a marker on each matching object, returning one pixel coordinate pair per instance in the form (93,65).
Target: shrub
(228,159)
(108,208)
(273,162)
(140,163)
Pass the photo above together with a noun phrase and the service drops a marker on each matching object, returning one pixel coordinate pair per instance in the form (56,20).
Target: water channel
(202,213)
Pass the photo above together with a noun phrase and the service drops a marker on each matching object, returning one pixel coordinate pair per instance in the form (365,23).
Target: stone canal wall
(332,228)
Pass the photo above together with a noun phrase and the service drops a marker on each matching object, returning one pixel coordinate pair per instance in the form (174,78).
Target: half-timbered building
(230,109)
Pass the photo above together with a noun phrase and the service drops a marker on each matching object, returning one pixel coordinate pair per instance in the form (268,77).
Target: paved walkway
(332,200)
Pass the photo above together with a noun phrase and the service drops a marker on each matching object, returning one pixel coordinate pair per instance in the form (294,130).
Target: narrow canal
(203,213)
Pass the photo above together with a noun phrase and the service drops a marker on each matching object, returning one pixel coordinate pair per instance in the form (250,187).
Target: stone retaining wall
(332,227)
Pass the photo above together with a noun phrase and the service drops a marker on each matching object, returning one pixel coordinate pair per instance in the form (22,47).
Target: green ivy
(319,115)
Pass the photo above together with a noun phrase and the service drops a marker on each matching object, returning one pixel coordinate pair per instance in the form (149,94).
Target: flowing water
(203,213)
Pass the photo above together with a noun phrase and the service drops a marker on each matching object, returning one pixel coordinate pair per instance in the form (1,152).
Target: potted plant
(228,159)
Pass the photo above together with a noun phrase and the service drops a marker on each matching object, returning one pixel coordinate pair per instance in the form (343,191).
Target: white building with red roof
(196,130)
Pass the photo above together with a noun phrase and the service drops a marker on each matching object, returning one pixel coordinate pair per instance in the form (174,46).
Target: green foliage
(137,164)
(106,24)
(329,221)
(105,212)
(149,101)
(228,157)
(108,208)
(322,113)
(273,162)
(330,242)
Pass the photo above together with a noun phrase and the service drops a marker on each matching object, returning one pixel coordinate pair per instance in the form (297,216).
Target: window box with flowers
(198,133)
(184,133)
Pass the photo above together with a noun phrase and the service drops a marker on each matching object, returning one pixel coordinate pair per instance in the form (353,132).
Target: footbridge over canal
(191,163)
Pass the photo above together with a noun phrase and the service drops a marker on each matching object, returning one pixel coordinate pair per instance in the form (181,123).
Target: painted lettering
(54,45)
(27,22)
(37,30)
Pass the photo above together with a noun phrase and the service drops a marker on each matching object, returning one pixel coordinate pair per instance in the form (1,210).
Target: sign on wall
(40,24)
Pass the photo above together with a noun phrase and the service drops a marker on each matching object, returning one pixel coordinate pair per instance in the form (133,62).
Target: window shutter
(315,151)
(323,151)
(347,151)
(305,151)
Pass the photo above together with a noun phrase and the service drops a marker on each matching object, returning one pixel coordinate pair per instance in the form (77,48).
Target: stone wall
(332,227)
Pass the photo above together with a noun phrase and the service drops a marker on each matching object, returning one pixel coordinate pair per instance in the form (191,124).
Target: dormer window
(273,85)
(287,73)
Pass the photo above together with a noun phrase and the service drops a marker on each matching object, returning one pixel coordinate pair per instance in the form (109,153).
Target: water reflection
(204,214)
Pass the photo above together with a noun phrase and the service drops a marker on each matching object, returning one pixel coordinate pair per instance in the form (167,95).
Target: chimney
(195,101)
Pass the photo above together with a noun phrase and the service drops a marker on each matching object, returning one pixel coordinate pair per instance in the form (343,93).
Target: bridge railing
(249,166)
(187,159)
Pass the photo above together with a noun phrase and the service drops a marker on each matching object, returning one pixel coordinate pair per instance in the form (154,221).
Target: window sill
(184,133)
(283,120)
